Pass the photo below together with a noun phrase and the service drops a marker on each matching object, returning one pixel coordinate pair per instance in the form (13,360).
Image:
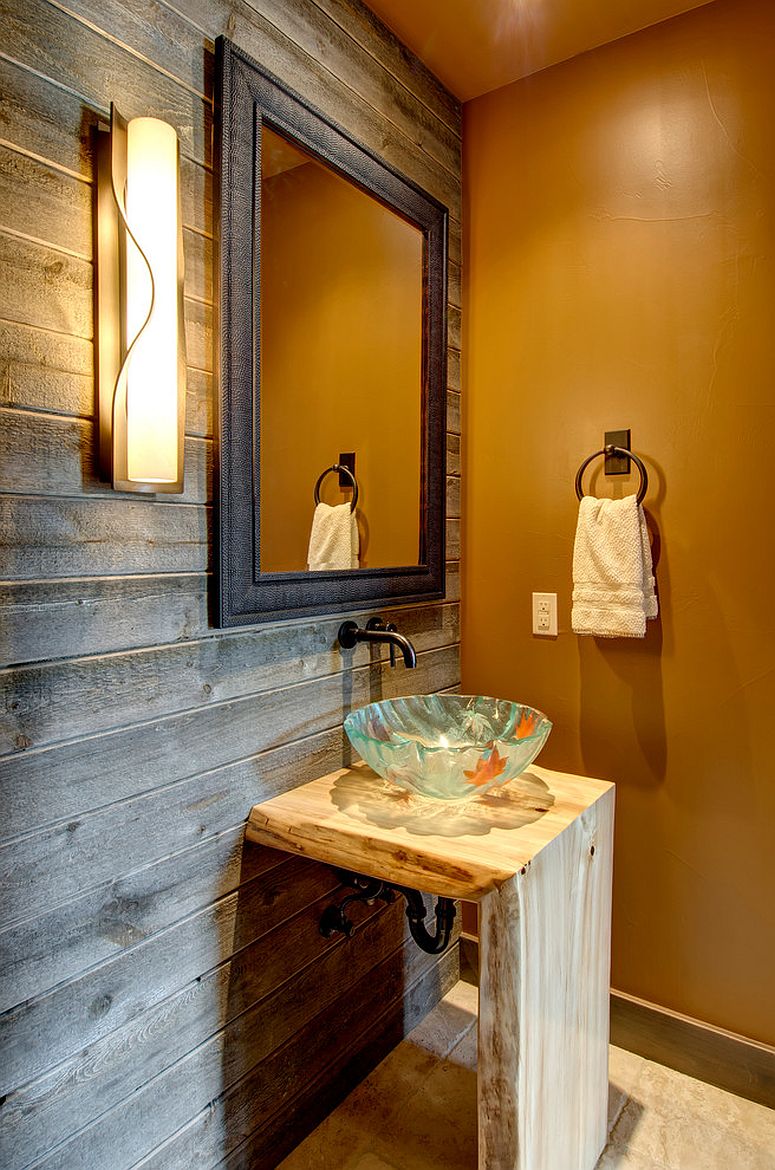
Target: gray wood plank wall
(165,998)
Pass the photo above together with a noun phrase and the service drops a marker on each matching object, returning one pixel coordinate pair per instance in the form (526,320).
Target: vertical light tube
(152,324)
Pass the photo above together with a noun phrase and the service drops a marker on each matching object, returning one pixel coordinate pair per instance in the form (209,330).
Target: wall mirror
(331,361)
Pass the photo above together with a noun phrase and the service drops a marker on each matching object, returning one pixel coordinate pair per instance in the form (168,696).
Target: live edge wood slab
(537,855)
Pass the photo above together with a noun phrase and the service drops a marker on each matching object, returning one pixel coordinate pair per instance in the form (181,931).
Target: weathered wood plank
(309,1054)
(42,287)
(162,36)
(454,286)
(198,251)
(283,57)
(62,782)
(100,924)
(360,23)
(453,455)
(48,40)
(45,119)
(27,268)
(453,370)
(48,455)
(56,209)
(36,1036)
(324,40)
(455,244)
(79,1090)
(49,620)
(72,618)
(453,496)
(48,868)
(199,335)
(453,539)
(453,412)
(454,326)
(453,581)
(41,370)
(212,1063)
(44,203)
(102,68)
(42,118)
(44,370)
(55,701)
(64,537)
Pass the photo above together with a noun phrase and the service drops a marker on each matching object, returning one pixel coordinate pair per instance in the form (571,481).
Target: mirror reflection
(341,370)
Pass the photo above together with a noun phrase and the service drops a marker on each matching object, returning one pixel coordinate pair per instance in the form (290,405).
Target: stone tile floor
(417,1111)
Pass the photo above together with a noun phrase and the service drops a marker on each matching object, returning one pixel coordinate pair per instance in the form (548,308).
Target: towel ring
(340,467)
(644,475)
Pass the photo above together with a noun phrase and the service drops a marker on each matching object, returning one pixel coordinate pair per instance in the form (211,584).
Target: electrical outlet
(545,614)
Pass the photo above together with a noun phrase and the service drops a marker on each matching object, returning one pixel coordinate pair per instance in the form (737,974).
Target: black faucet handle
(392,628)
(377,623)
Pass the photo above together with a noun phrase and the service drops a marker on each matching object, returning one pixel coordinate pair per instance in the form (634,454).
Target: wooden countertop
(355,820)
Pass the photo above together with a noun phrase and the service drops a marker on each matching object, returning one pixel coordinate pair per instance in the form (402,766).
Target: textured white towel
(333,541)
(613,582)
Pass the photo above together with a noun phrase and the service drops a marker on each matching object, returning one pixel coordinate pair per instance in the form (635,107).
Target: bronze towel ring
(609,450)
(340,467)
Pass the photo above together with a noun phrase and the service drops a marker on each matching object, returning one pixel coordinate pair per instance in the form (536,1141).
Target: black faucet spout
(377,631)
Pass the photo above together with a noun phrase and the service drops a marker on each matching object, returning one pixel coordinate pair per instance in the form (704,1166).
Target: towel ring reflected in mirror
(343,470)
(623,451)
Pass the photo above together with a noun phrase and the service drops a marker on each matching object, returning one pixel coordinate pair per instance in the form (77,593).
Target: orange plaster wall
(341,365)
(620,228)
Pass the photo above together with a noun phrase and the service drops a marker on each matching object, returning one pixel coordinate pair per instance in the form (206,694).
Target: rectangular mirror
(331,363)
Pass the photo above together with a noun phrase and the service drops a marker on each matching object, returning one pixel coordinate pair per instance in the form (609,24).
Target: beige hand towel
(613,582)
(333,541)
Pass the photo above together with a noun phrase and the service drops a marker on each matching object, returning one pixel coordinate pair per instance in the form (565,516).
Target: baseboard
(721,1058)
(731,1062)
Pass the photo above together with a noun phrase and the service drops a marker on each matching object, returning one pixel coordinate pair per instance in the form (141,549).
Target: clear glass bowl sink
(448,747)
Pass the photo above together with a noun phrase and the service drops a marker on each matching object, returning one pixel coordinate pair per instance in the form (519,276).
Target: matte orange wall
(341,365)
(621,272)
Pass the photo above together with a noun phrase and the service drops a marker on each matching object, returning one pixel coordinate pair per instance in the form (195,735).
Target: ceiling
(474,46)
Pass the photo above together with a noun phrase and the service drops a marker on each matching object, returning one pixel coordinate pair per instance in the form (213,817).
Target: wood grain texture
(201,1043)
(355,820)
(545,943)
(52,699)
(163,986)
(59,783)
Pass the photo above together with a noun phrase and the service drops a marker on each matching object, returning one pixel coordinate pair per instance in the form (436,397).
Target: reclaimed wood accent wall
(166,999)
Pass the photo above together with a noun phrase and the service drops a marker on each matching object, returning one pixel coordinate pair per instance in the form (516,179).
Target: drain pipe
(445,911)
(334,919)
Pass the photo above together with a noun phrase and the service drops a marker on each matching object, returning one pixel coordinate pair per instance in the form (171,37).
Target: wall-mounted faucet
(377,630)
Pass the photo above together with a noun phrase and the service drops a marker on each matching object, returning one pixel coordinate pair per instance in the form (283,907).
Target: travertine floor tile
(624,1069)
(346,1133)
(448,1023)
(437,1128)
(613,1159)
(684,1124)
(372,1162)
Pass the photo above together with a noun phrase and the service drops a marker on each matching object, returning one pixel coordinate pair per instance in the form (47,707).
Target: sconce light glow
(139,293)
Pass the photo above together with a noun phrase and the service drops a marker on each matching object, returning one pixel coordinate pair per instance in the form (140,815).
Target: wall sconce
(140,346)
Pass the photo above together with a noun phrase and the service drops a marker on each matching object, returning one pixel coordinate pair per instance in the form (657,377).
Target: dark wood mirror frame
(245,96)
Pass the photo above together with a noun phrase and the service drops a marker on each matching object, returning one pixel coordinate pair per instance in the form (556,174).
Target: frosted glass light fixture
(140,344)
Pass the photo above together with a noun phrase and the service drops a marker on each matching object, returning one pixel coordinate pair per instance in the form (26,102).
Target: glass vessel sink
(448,747)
